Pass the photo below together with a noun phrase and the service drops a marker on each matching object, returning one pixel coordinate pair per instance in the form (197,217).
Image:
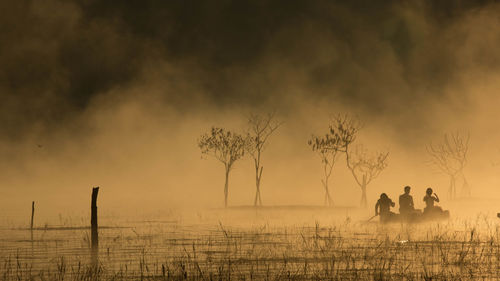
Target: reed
(465,250)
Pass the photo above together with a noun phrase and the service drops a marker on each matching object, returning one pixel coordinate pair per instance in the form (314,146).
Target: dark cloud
(378,56)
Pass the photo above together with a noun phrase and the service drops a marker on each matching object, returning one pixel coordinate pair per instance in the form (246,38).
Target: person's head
(407,189)
(428,191)
(383,196)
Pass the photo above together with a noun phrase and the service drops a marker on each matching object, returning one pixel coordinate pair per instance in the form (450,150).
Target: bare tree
(365,167)
(450,157)
(260,128)
(342,132)
(225,146)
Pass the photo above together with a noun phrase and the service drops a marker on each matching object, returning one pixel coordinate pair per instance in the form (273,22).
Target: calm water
(348,249)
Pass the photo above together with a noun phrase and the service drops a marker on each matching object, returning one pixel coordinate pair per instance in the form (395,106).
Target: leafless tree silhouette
(342,132)
(450,157)
(260,128)
(225,146)
(365,167)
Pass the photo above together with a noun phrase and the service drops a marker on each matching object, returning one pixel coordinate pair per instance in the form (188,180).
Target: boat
(417,217)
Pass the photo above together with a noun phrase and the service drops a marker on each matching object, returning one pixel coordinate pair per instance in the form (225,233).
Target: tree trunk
(226,189)
(258,175)
(260,199)
(257,201)
(453,188)
(450,188)
(328,198)
(327,173)
(363,193)
(465,186)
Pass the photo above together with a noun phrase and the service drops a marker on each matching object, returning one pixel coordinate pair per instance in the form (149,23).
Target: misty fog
(99,95)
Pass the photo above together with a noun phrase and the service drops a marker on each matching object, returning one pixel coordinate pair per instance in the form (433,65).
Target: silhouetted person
(429,200)
(406,206)
(383,207)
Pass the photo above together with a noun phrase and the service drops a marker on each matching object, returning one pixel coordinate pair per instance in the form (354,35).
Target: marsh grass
(464,250)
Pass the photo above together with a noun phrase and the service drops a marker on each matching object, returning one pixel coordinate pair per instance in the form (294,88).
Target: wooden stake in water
(32,216)
(32,213)
(93,221)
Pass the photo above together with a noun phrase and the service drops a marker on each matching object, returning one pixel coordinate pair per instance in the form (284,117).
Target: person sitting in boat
(429,200)
(406,206)
(383,207)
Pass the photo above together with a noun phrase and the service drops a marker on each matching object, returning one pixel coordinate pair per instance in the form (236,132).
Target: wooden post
(93,220)
(32,216)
